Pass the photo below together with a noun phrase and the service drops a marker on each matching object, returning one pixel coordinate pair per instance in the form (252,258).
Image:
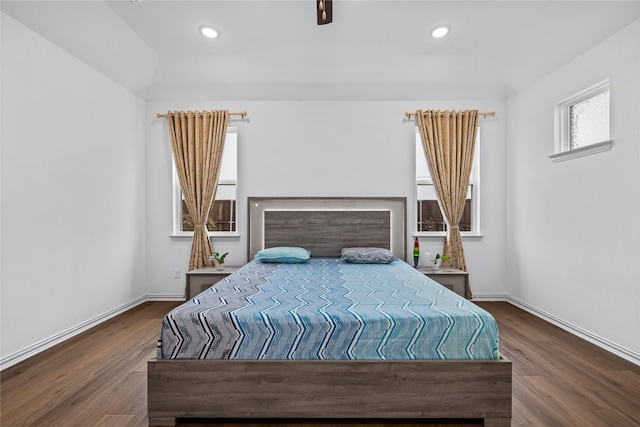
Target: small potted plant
(435,261)
(218,260)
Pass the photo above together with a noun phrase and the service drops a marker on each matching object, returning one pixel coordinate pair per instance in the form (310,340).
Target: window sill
(439,235)
(598,147)
(212,235)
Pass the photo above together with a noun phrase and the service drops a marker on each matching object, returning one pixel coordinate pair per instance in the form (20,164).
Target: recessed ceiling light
(440,32)
(209,32)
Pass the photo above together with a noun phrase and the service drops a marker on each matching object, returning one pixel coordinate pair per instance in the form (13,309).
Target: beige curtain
(449,138)
(197,140)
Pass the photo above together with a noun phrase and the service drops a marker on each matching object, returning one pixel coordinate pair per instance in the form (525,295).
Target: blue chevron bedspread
(328,309)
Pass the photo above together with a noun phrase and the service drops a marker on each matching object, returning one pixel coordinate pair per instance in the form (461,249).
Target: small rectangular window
(223,214)
(589,121)
(582,123)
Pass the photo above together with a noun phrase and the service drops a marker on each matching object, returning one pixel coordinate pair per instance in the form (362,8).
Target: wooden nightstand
(451,278)
(202,278)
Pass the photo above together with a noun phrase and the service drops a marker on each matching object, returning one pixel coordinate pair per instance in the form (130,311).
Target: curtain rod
(485,115)
(243,114)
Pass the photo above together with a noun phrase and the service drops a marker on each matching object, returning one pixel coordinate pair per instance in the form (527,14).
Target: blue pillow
(283,254)
(367,255)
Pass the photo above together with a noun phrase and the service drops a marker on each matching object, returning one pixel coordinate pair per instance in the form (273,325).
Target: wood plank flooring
(98,378)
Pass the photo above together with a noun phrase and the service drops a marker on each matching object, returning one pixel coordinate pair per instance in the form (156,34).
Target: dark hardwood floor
(98,378)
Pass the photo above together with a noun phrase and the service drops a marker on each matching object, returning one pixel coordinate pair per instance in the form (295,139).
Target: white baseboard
(39,347)
(165,297)
(611,347)
(490,298)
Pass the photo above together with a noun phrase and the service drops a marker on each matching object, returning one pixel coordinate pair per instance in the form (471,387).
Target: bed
(342,372)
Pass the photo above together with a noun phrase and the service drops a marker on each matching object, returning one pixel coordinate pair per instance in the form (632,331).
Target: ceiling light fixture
(324,9)
(209,32)
(440,32)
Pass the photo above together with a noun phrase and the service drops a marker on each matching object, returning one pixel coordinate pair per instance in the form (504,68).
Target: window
(223,215)
(429,218)
(582,123)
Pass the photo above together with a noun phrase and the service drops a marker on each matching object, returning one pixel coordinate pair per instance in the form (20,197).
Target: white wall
(324,148)
(574,227)
(86,204)
(86,190)
(73,184)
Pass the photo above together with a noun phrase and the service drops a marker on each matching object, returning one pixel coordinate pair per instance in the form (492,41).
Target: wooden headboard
(326,225)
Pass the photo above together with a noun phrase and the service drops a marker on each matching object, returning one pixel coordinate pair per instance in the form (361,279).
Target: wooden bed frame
(347,389)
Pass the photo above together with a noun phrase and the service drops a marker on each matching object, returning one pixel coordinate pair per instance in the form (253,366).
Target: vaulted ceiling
(373,50)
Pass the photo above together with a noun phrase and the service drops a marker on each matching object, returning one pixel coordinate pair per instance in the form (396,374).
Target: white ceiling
(373,50)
